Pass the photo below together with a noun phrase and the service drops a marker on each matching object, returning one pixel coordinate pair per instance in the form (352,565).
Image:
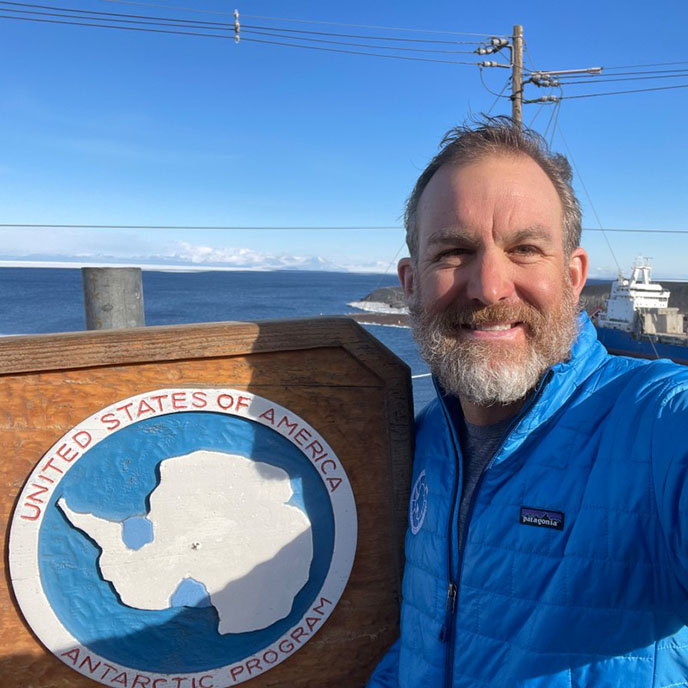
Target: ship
(638,321)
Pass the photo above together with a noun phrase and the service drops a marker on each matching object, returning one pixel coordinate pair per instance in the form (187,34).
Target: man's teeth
(493,328)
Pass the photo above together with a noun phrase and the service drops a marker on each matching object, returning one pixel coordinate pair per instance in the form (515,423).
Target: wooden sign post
(202,506)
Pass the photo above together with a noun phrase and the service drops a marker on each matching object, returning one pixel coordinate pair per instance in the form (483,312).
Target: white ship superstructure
(640,306)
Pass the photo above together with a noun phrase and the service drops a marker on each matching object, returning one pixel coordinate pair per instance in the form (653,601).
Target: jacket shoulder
(643,379)
(430,413)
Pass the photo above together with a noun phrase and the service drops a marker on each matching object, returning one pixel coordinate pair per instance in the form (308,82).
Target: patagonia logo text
(545,518)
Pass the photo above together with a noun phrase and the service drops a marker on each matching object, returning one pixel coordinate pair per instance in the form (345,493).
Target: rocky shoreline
(369,318)
(391,299)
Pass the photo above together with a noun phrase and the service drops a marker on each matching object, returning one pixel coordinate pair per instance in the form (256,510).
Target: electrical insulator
(492,64)
(499,42)
(545,82)
(484,51)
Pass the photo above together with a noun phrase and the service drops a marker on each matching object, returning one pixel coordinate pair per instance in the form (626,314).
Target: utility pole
(541,78)
(517,76)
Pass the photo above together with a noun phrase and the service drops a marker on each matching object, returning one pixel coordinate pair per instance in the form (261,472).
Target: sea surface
(41,300)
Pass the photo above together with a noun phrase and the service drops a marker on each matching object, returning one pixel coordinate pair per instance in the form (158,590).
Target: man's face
(492,295)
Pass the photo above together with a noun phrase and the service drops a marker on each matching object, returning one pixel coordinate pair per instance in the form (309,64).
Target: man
(547,526)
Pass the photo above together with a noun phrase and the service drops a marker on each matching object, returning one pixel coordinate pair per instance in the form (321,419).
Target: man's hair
(498,135)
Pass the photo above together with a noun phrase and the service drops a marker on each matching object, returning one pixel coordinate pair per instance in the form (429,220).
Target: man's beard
(492,372)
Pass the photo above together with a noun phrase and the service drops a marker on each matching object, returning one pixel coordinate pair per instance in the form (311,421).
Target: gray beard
(488,373)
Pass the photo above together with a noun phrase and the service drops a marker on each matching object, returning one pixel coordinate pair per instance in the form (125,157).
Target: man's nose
(489,279)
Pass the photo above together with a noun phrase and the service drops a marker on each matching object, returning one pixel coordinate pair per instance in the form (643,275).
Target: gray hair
(494,135)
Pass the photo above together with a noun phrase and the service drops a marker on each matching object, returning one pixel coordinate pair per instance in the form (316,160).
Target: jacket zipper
(447,635)
(452,590)
(450,607)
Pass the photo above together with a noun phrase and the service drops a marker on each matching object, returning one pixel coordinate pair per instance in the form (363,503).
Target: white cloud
(245,258)
(197,254)
(85,246)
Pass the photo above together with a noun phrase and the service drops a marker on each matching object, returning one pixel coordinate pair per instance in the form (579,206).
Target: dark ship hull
(647,346)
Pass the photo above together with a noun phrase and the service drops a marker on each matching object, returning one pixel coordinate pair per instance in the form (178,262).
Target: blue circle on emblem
(114,480)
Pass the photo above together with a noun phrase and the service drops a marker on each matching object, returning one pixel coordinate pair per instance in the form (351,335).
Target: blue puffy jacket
(575,569)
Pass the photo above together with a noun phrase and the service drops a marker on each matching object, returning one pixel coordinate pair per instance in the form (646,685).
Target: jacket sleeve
(670,476)
(386,674)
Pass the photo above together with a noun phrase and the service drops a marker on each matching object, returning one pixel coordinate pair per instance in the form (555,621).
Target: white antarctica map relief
(222,520)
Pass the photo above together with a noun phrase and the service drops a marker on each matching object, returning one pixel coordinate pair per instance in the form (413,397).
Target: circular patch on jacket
(419,503)
(206,514)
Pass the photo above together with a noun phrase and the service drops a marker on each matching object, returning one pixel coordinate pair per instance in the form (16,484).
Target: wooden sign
(202,506)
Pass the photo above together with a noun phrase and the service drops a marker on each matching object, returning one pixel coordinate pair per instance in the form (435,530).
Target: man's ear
(578,270)
(405,271)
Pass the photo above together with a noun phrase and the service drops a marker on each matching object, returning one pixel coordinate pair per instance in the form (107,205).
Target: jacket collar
(560,382)
(556,386)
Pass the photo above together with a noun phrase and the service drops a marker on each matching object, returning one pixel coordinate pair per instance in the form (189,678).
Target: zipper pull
(451,598)
(450,608)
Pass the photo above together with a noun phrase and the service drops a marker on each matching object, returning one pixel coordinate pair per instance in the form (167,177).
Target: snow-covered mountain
(242,261)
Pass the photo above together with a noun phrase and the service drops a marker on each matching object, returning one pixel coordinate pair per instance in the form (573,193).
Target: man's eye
(452,253)
(526,250)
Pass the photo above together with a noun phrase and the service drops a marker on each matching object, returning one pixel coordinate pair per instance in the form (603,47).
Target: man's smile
(494,331)
(492,327)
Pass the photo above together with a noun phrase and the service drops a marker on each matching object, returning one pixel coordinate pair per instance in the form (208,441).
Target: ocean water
(41,300)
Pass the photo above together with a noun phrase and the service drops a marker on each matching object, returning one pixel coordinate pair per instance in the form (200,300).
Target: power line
(537,112)
(490,91)
(634,231)
(553,118)
(604,76)
(120,28)
(627,78)
(211,35)
(543,103)
(557,111)
(498,95)
(183,23)
(169,7)
(147,20)
(225,25)
(252,40)
(350,35)
(108,14)
(169,22)
(537,74)
(592,205)
(615,93)
(302,21)
(203,227)
(530,59)
(360,52)
(370,26)
(359,45)
(298,228)
(651,64)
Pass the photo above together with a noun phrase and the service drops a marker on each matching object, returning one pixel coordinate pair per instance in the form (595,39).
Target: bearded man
(547,526)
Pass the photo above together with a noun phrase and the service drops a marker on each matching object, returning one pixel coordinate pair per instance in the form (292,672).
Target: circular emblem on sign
(183,537)
(419,503)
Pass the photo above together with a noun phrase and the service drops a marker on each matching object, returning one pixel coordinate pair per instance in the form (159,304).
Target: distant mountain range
(241,259)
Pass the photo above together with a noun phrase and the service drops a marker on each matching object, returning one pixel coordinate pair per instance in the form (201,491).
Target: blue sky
(128,128)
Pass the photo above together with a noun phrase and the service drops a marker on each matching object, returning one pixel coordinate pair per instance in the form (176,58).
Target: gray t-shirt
(478,445)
